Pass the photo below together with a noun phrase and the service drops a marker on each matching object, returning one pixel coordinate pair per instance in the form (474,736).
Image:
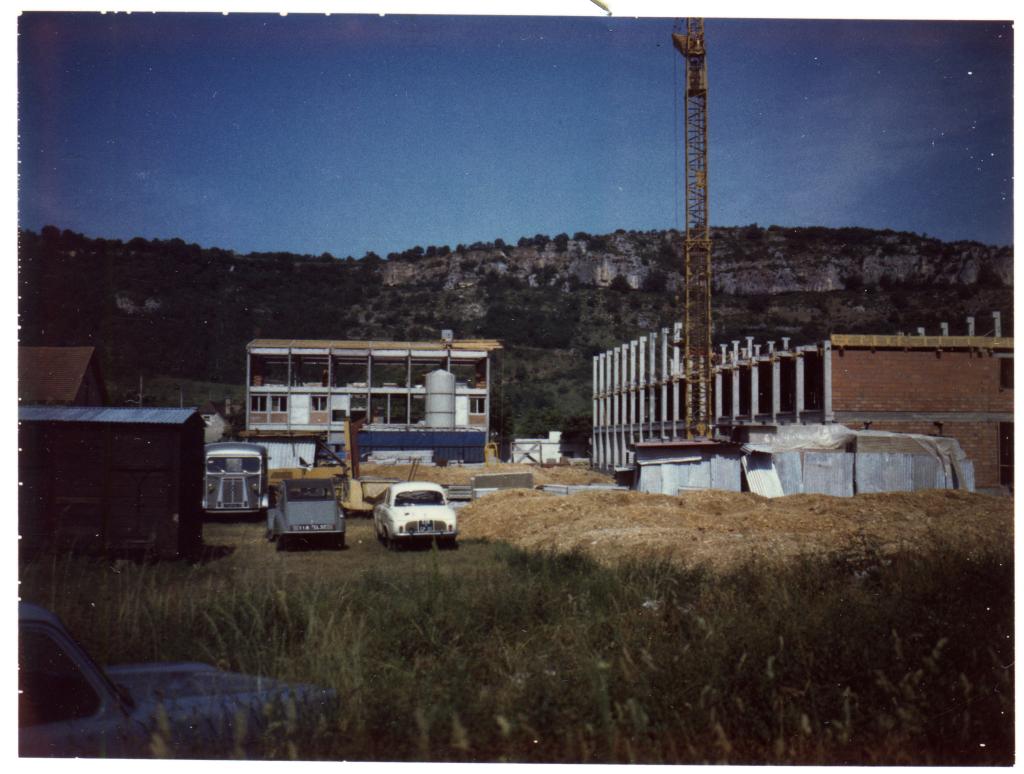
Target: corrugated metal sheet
(828,473)
(790,468)
(761,476)
(928,473)
(287,454)
(452,445)
(968,478)
(883,472)
(108,414)
(725,473)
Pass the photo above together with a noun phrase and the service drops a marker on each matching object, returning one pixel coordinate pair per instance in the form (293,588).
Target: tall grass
(543,657)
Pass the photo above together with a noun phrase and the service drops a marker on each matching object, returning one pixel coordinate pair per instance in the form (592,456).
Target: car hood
(200,692)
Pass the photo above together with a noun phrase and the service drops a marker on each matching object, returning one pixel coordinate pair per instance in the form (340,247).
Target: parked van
(236,480)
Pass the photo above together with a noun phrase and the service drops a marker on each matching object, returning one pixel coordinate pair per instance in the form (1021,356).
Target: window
(338,415)
(318,403)
(278,403)
(258,404)
(1006,373)
(476,405)
(53,688)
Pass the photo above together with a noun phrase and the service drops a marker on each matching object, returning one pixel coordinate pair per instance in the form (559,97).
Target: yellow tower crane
(697,352)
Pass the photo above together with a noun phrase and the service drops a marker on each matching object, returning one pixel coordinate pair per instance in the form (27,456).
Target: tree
(620,284)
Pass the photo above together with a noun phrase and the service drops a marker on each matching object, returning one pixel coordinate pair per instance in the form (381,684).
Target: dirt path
(725,528)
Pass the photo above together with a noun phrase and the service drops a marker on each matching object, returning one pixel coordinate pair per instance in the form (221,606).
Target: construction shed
(108,480)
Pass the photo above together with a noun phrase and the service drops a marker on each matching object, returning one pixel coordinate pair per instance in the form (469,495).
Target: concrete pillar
(826,375)
(735,350)
(920,332)
(997,324)
(631,383)
(785,343)
(755,407)
(665,378)
(776,388)
(771,347)
(723,347)
(617,405)
(641,387)
(944,329)
(798,404)
(757,350)
(735,393)
(652,380)
(718,396)
(970,326)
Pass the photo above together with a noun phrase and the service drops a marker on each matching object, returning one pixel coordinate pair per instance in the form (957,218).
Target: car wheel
(339,542)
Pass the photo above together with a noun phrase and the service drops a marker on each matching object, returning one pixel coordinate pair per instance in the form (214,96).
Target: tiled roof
(52,374)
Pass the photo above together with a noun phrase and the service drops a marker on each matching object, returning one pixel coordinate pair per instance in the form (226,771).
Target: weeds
(854,658)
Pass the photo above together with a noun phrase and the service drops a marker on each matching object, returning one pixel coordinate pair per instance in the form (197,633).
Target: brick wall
(924,381)
(917,380)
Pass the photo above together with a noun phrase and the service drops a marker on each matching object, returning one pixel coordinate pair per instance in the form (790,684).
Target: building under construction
(930,386)
(431,398)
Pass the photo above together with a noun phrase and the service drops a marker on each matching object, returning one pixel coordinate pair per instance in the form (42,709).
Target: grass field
(491,653)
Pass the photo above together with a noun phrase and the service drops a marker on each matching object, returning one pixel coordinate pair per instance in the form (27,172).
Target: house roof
(210,407)
(52,374)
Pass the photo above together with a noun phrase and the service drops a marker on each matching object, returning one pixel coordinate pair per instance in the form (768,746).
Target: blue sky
(351,133)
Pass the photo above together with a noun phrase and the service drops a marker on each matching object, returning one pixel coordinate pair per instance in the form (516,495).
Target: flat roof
(862,341)
(456,344)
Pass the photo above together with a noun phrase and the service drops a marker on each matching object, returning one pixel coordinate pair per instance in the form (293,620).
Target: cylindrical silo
(440,399)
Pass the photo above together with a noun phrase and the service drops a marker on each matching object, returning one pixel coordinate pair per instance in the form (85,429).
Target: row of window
(279,404)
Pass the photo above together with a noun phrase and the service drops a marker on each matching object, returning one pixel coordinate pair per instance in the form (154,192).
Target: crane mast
(697,352)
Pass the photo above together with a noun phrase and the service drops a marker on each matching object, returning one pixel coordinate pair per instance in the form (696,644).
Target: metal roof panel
(112,414)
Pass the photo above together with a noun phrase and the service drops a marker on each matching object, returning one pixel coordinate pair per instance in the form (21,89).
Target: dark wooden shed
(110,480)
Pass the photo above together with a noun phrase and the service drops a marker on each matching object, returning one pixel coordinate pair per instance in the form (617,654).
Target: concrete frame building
(296,387)
(955,386)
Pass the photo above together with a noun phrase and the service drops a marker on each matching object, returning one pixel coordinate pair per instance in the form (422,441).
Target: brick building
(954,386)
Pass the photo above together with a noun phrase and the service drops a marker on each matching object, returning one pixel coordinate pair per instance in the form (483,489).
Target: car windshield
(308,491)
(233,465)
(425,497)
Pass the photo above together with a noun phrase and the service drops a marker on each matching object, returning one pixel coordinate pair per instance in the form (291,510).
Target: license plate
(313,527)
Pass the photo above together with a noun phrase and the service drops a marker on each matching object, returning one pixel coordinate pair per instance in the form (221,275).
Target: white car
(415,512)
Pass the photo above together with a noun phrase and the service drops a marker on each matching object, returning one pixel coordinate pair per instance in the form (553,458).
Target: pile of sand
(723,529)
(455,474)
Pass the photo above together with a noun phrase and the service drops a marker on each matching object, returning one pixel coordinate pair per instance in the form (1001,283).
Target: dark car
(68,706)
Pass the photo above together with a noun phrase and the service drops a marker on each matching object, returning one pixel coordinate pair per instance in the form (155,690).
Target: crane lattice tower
(697,351)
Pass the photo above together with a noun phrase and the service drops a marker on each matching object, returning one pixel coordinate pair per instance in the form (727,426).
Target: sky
(352,133)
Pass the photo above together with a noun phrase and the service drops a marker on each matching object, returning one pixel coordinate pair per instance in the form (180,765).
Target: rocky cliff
(747,261)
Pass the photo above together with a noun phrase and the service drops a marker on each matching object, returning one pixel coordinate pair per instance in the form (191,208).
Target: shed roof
(456,344)
(52,374)
(111,414)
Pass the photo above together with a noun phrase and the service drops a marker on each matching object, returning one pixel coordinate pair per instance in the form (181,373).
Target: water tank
(440,399)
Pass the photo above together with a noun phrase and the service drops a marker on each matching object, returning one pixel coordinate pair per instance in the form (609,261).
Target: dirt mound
(722,529)
(559,474)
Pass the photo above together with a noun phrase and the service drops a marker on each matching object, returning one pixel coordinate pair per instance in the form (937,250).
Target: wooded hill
(180,315)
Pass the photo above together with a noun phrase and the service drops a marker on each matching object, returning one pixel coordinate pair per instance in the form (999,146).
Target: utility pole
(697,353)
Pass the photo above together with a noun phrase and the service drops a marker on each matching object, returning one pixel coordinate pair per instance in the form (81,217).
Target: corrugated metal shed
(884,472)
(106,414)
(828,473)
(289,453)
